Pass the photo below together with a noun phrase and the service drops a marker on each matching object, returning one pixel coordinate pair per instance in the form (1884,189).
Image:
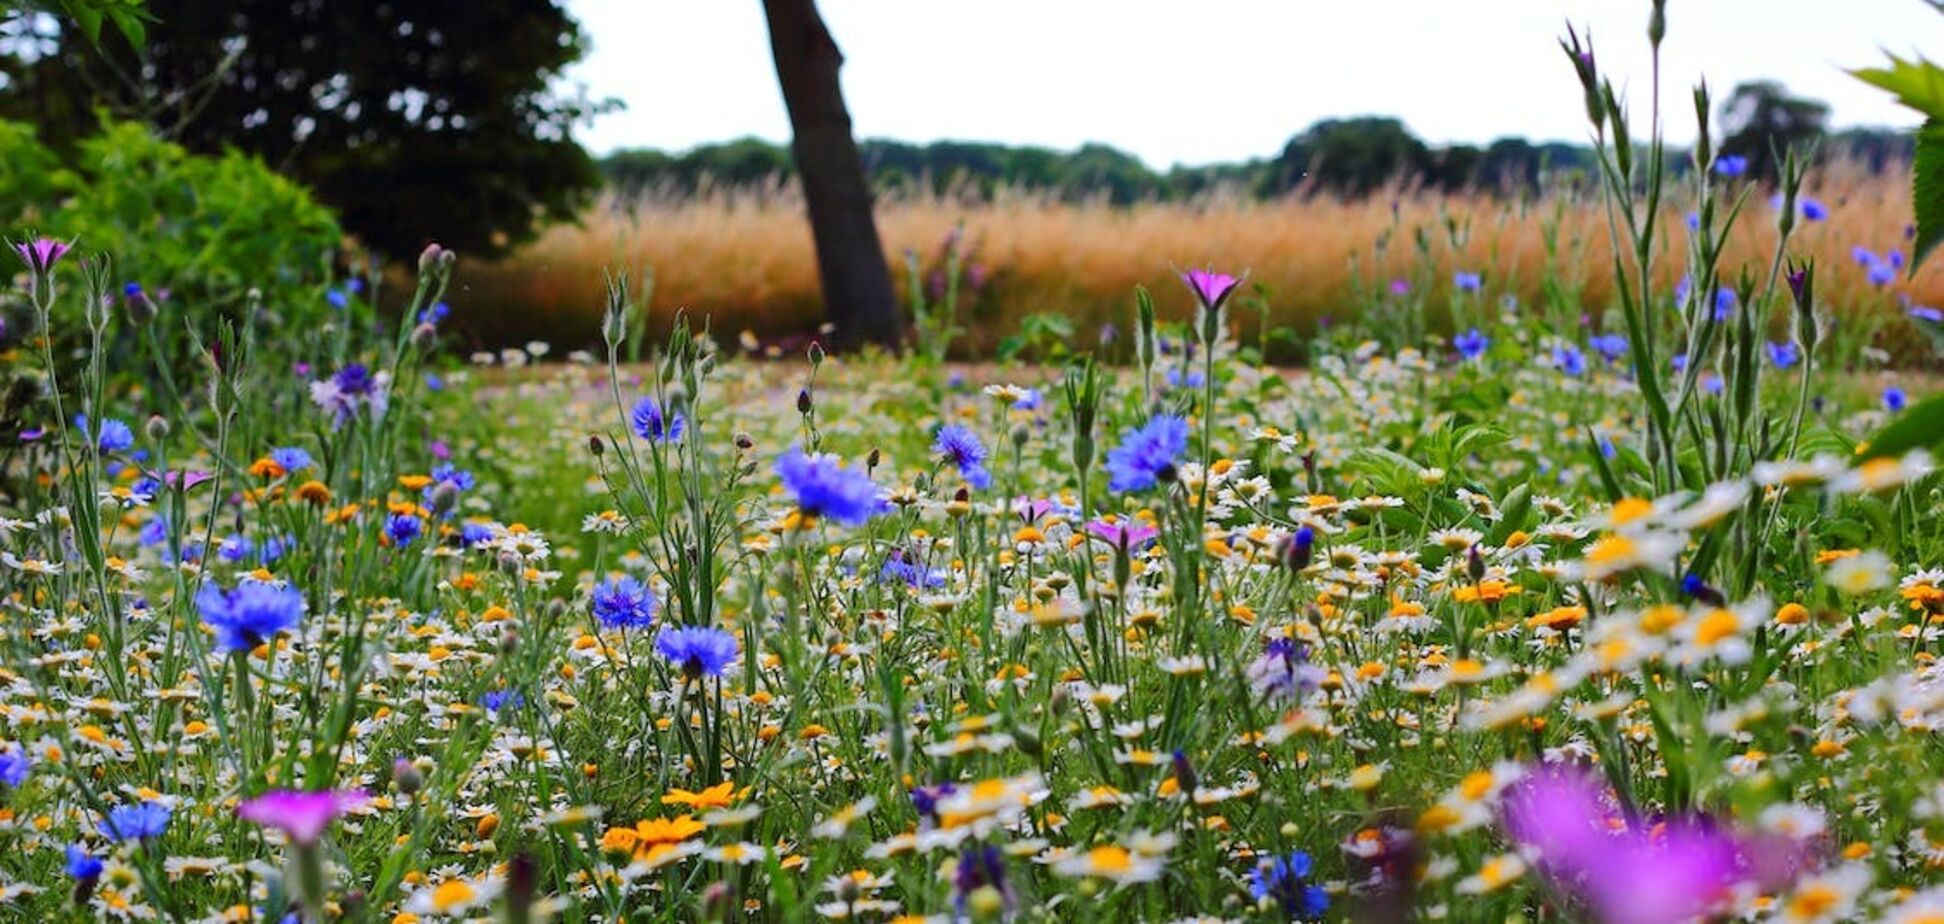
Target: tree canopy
(415,119)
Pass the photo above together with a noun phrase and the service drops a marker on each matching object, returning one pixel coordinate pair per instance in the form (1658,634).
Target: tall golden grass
(742,258)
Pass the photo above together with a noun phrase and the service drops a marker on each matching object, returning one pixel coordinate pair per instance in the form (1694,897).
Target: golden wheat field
(743,260)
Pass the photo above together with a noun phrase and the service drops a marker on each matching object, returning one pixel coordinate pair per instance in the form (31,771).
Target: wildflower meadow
(1621,610)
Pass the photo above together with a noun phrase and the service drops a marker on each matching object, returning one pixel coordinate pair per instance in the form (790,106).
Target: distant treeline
(1349,157)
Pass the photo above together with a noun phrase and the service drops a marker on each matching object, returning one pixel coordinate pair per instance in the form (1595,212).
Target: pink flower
(1629,872)
(1211,287)
(41,253)
(301,816)
(188,481)
(1123,534)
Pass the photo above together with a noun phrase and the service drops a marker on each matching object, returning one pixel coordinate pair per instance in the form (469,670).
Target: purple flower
(41,253)
(1211,287)
(1926,313)
(1285,881)
(1124,534)
(353,388)
(1400,286)
(698,651)
(1783,353)
(958,445)
(650,425)
(1724,303)
(14,767)
(1610,346)
(402,528)
(1146,456)
(1471,344)
(1467,282)
(301,816)
(623,603)
(980,867)
(823,487)
(1626,871)
(1730,165)
(1283,672)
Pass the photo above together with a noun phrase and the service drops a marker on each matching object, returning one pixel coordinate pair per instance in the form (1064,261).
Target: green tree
(415,119)
(1349,157)
(1760,120)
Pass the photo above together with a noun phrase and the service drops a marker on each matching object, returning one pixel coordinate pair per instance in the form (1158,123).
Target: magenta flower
(41,253)
(1211,287)
(1124,534)
(1626,871)
(301,816)
(188,481)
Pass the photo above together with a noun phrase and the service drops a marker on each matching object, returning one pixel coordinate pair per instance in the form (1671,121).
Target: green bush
(205,229)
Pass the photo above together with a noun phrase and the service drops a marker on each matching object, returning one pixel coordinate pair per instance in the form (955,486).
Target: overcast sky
(1198,81)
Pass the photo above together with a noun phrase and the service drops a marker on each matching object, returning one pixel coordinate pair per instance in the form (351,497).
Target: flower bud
(594,446)
(158,428)
(804,404)
(407,776)
(429,258)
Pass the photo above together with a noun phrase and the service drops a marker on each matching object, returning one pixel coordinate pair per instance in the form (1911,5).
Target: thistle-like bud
(1020,435)
(1298,548)
(429,259)
(1184,773)
(407,776)
(158,428)
(595,446)
(444,497)
(141,309)
(804,403)
(1657,23)
(1802,284)
(522,878)
(745,442)
(1474,564)
(871,461)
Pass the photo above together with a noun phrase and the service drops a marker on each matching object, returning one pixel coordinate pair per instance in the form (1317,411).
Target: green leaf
(1918,84)
(1920,426)
(1927,190)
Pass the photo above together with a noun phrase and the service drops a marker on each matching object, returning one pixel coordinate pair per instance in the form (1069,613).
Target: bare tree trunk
(857,292)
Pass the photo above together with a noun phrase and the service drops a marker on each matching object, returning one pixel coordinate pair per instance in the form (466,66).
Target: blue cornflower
(274,548)
(235,548)
(899,569)
(699,651)
(1175,379)
(291,458)
(154,532)
(1610,346)
(135,822)
(337,298)
(402,528)
(14,767)
(958,445)
(251,614)
(475,534)
(1724,303)
(1029,401)
(980,867)
(1693,221)
(1282,880)
(1894,399)
(1783,353)
(1146,456)
(115,436)
(623,603)
(1813,210)
(447,473)
(1881,274)
(1926,313)
(81,865)
(649,423)
(1471,344)
(1467,282)
(823,487)
(435,314)
(496,700)
(1567,358)
(1730,165)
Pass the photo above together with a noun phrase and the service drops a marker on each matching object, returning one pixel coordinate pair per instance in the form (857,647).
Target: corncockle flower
(14,767)
(823,487)
(647,421)
(1031,510)
(1211,287)
(1568,359)
(41,253)
(1471,344)
(1730,165)
(1625,870)
(1284,880)
(1400,286)
(698,651)
(250,615)
(135,822)
(1894,399)
(1467,282)
(623,603)
(1146,456)
(1124,534)
(958,445)
(301,816)
(1783,353)
(1283,672)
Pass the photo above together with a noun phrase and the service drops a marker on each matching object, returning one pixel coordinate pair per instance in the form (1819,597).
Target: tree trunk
(857,291)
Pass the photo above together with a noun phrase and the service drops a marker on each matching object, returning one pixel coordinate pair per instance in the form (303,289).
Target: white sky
(1197,81)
